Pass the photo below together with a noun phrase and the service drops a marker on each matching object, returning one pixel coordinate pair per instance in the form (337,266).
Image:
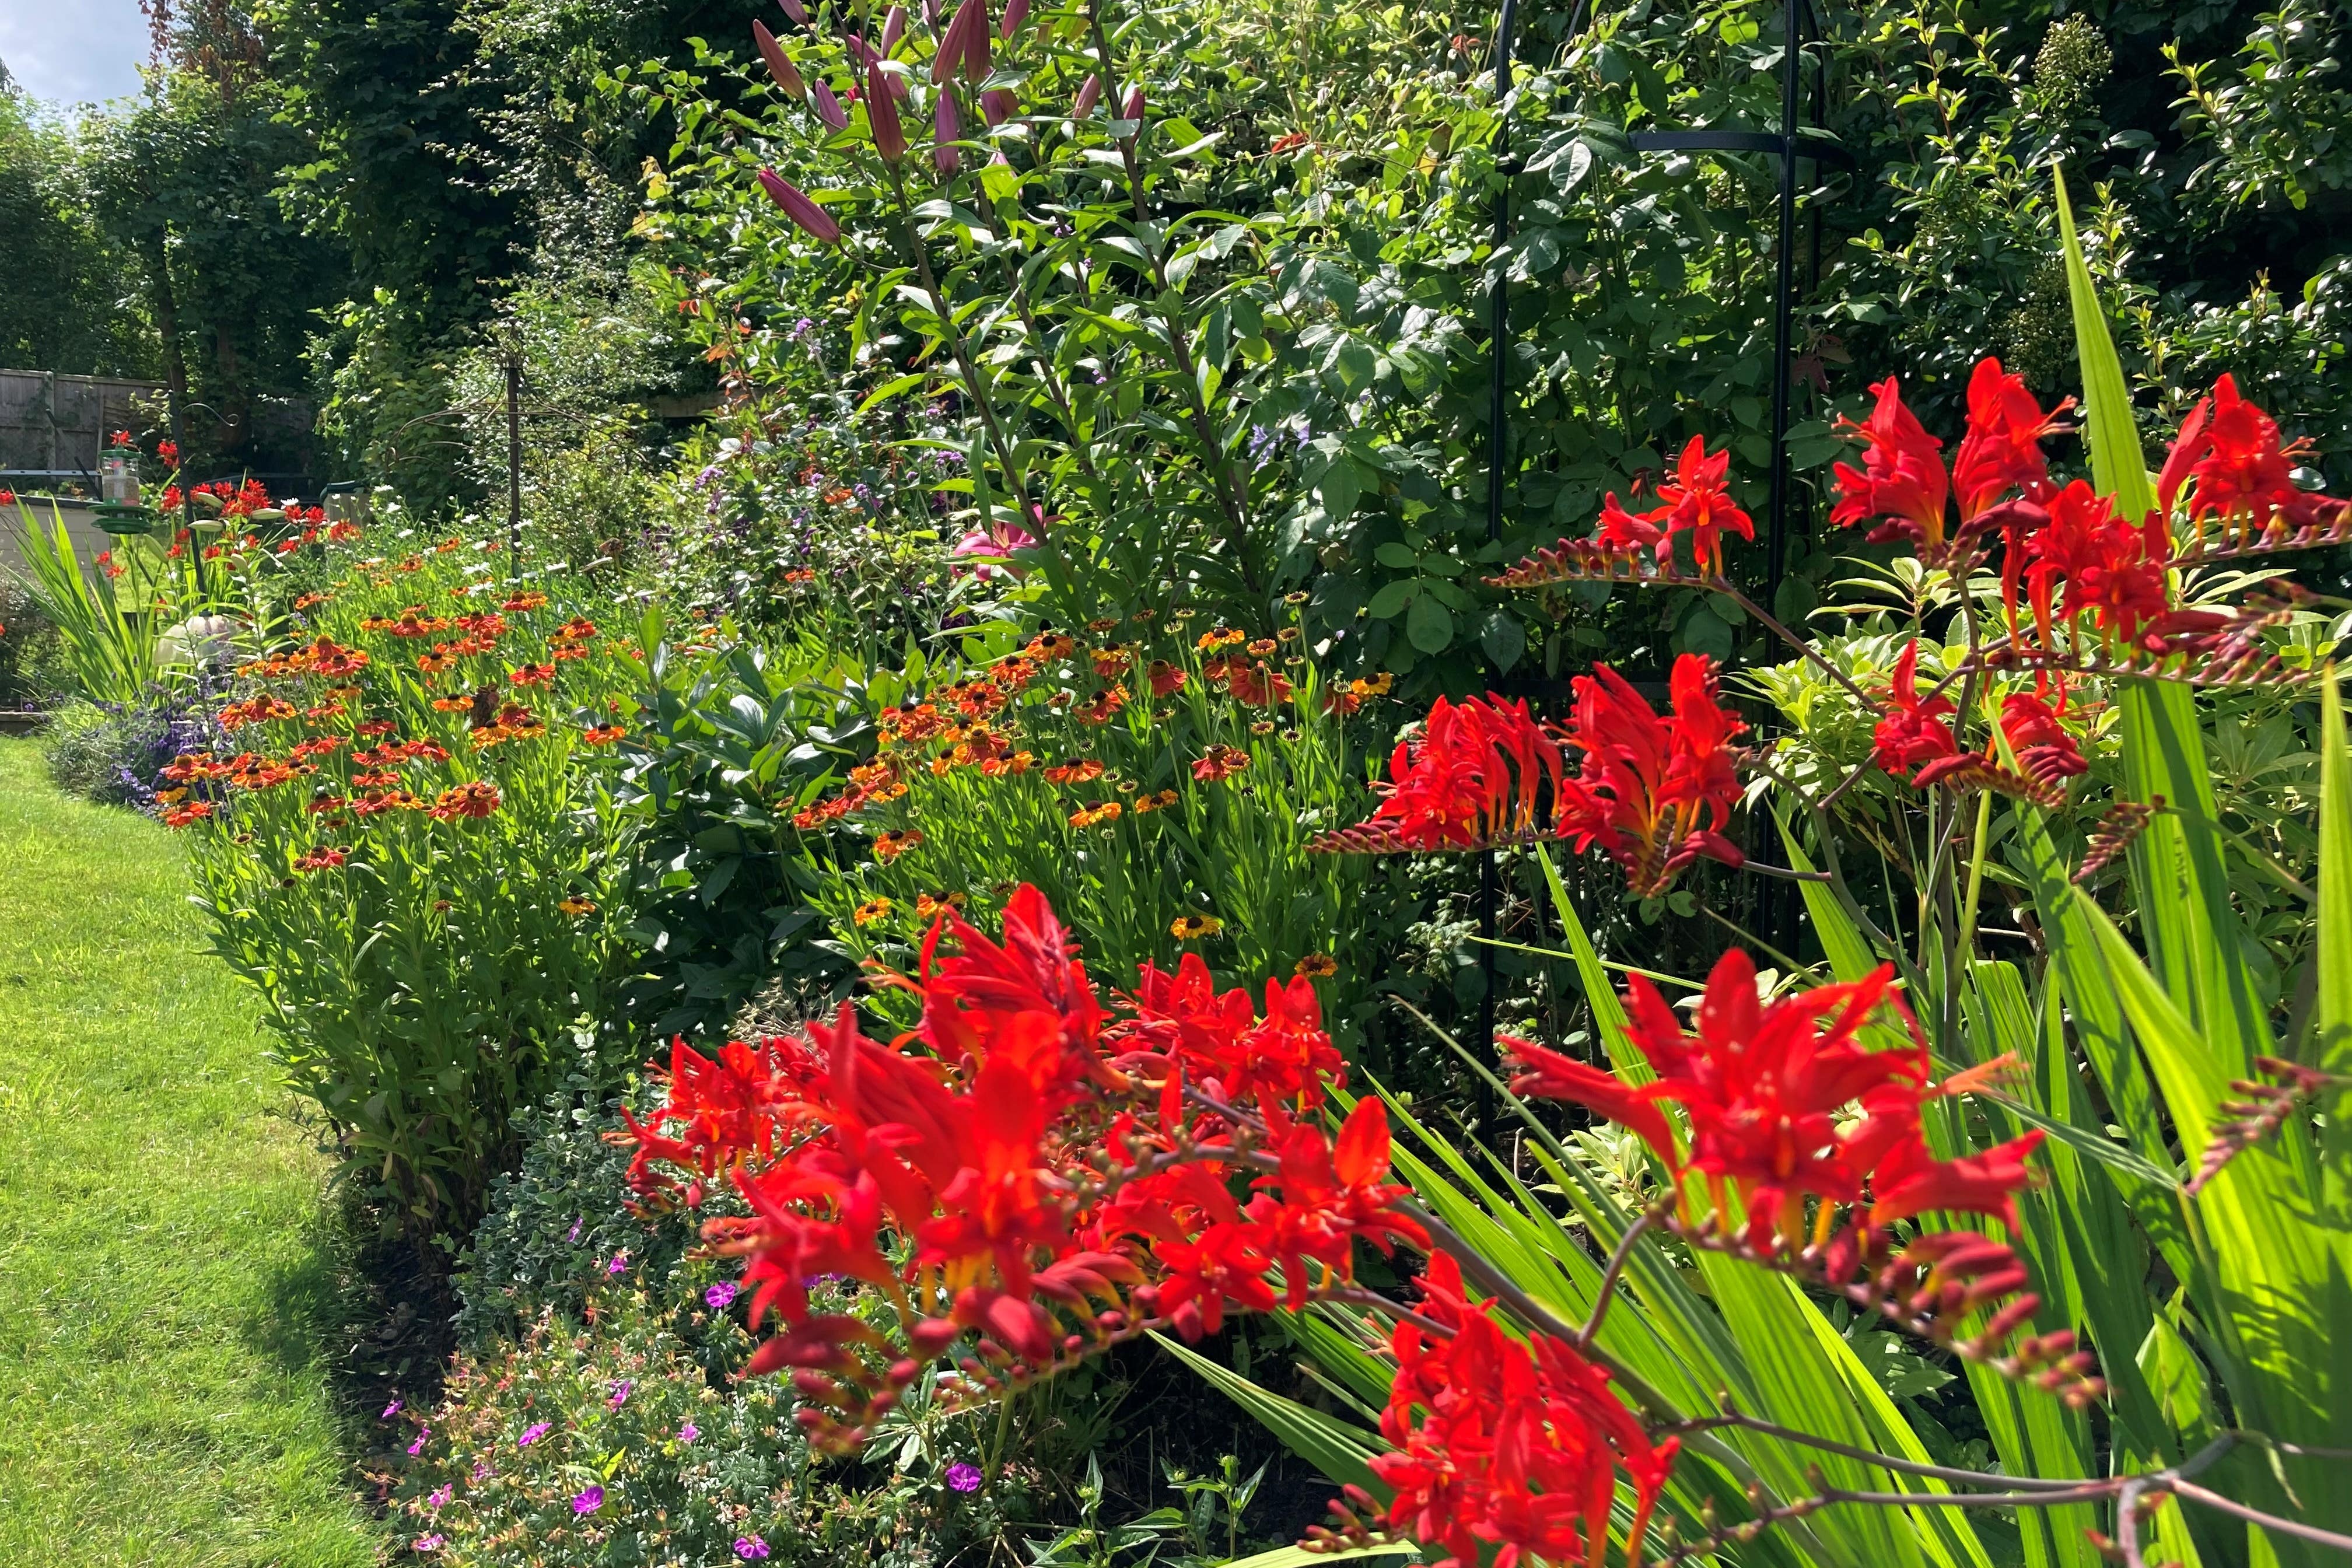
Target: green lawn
(162,1395)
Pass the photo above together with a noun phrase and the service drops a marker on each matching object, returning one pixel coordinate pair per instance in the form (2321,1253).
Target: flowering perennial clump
(1029,1177)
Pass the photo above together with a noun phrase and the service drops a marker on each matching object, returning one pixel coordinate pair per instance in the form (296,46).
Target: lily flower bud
(882,116)
(1015,13)
(945,132)
(793,9)
(828,108)
(812,218)
(1133,108)
(894,27)
(1089,94)
(780,65)
(999,106)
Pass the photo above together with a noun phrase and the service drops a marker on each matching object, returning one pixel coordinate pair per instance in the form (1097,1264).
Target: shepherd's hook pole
(1500,307)
(514,463)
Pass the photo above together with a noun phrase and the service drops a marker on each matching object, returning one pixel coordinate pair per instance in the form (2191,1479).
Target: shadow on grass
(360,1309)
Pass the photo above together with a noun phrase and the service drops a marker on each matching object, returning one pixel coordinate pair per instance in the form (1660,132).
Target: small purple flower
(619,1265)
(589,1501)
(433,1542)
(749,1548)
(963,1477)
(482,1471)
(418,1447)
(620,1392)
(719,1296)
(802,329)
(533,1433)
(688,1432)
(575,1233)
(390,1410)
(439,1497)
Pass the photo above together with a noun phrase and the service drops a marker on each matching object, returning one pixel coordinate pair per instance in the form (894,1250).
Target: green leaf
(1502,638)
(1341,1451)
(1429,624)
(1300,1557)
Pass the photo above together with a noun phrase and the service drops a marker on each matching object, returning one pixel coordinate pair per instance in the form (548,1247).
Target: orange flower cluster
(253,711)
(323,658)
(572,639)
(412,622)
(475,801)
(512,722)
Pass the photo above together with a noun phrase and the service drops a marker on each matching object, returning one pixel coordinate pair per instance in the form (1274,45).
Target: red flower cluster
(1696,501)
(1471,777)
(1764,1091)
(1916,732)
(1999,476)
(1764,1087)
(1508,1443)
(1058,1184)
(1655,793)
(2230,458)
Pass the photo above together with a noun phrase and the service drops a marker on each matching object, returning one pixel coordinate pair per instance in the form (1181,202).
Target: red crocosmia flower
(1181,1022)
(1546,1074)
(2230,456)
(1470,778)
(2001,455)
(1901,480)
(1905,1181)
(1325,1196)
(1653,793)
(1765,1086)
(725,1110)
(967,995)
(1696,501)
(2044,750)
(1914,731)
(1227,1263)
(1508,1443)
(2108,568)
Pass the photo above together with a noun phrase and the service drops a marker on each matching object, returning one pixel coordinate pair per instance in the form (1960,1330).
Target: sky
(73,51)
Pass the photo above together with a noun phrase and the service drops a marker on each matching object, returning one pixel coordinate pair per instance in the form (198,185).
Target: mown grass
(164,1281)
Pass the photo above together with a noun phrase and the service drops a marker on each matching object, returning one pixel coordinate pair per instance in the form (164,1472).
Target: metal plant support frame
(1788,144)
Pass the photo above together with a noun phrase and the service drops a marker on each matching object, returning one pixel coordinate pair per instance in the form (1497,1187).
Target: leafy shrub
(116,755)
(556,1223)
(616,1442)
(29,651)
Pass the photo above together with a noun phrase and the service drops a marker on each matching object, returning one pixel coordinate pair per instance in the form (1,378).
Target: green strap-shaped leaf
(1340,1450)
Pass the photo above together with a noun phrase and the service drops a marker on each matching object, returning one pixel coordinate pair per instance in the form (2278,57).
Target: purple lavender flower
(802,329)
(719,1296)
(749,1548)
(620,1392)
(589,1501)
(963,1477)
(439,1497)
(533,1433)
(688,1432)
